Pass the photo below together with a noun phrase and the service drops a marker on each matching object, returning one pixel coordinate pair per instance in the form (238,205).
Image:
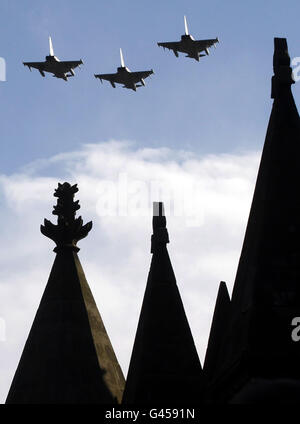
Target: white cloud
(203,252)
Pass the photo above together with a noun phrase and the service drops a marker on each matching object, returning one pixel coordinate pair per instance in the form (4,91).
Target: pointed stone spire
(214,354)
(68,357)
(266,294)
(164,366)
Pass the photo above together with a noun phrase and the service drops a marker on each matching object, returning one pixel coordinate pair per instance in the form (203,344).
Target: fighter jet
(53,65)
(189,45)
(125,76)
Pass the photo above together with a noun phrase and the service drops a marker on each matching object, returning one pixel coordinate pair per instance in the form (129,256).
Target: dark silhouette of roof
(164,365)
(68,357)
(266,294)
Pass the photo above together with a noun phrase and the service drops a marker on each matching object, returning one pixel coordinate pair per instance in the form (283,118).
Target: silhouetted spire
(214,355)
(164,365)
(266,293)
(68,357)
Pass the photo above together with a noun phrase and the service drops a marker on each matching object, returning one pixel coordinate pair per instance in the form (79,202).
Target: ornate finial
(281,64)
(69,230)
(160,235)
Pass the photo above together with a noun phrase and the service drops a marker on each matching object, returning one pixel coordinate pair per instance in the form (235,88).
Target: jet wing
(172,45)
(109,77)
(131,77)
(204,44)
(36,65)
(138,76)
(112,78)
(67,65)
(176,46)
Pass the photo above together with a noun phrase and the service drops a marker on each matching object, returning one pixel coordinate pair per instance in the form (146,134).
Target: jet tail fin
(122,59)
(51,47)
(186,26)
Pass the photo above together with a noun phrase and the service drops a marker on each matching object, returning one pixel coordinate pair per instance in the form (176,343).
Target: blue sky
(221,104)
(196,128)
